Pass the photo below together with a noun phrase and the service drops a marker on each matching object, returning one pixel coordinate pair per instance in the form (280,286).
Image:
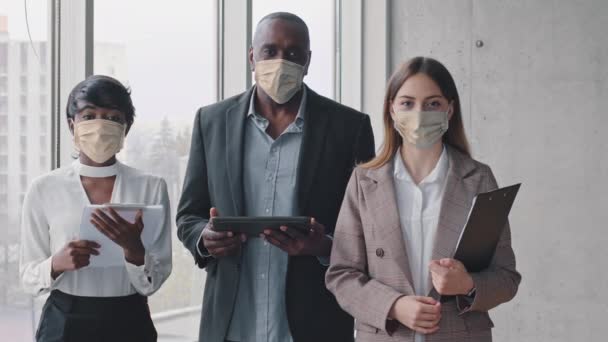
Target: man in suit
(278,149)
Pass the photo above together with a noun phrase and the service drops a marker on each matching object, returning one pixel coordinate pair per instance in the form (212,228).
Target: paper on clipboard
(110,254)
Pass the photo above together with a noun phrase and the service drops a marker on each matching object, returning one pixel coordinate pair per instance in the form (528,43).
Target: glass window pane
(319,17)
(22,157)
(167,57)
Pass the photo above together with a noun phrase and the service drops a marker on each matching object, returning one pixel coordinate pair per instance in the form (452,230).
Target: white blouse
(52,212)
(419,208)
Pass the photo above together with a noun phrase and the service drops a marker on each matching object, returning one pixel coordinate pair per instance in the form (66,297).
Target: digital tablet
(254,226)
(111,254)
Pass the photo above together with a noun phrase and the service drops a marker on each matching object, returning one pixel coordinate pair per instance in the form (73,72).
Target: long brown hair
(455,136)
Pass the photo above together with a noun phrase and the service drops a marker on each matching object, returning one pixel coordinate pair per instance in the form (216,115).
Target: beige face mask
(279,78)
(422,129)
(99,139)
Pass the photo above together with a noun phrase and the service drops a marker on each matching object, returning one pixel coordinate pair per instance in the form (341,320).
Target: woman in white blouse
(94,303)
(401,219)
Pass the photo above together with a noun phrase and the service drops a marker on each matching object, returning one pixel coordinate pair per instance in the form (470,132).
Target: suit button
(380,252)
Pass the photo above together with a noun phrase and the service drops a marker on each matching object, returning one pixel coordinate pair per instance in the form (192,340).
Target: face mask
(99,139)
(422,129)
(280,79)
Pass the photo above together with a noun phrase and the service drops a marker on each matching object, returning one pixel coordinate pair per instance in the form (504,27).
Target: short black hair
(104,92)
(287,17)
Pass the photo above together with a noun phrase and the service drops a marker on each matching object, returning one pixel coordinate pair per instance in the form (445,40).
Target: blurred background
(532,76)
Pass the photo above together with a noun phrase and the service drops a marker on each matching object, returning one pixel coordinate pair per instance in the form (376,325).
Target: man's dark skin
(275,39)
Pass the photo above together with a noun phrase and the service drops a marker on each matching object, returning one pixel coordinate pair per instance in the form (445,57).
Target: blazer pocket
(450,319)
(359,326)
(477,321)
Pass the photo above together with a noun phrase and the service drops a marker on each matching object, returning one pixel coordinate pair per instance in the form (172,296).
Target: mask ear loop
(450,108)
(449,111)
(76,150)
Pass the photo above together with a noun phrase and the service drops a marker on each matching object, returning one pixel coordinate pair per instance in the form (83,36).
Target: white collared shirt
(419,209)
(52,212)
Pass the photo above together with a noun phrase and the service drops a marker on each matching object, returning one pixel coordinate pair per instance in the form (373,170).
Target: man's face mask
(99,139)
(422,129)
(279,78)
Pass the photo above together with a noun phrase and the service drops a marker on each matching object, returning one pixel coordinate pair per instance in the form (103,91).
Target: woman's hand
(450,277)
(124,233)
(421,314)
(74,255)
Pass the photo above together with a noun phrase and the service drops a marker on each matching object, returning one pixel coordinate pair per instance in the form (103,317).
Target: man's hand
(421,314)
(74,255)
(296,242)
(221,244)
(450,277)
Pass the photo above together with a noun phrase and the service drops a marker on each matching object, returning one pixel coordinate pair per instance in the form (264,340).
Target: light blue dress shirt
(269,183)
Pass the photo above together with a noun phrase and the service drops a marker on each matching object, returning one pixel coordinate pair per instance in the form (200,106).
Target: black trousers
(68,318)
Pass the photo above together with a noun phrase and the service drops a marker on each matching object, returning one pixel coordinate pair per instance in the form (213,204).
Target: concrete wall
(535,101)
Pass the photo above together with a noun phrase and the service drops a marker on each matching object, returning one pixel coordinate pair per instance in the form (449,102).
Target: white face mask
(422,129)
(99,139)
(279,78)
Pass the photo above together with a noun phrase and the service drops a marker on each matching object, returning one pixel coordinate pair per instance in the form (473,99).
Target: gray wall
(535,109)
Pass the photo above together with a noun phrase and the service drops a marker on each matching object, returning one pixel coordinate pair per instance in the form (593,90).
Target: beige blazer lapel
(379,193)
(462,185)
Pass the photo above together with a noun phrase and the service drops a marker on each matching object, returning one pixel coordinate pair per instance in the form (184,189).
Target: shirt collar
(299,117)
(439,173)
(96,172)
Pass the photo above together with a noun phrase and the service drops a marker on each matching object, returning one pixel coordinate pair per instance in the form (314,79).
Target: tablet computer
(110,253)
(254,226)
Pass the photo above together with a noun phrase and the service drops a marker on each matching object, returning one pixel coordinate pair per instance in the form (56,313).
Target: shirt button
(380,252)
(267,210)
(262,276)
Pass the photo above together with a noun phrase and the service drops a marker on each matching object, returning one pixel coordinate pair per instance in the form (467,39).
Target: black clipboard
(254,226)
(487,219)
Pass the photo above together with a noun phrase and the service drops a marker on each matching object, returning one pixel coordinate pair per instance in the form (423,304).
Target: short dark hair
(287,17)
(104,92)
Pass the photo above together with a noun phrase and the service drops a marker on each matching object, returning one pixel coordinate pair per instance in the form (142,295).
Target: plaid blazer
(369,267)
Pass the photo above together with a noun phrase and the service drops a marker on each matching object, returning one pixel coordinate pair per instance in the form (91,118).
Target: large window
(21,154)
(167,55)
(319,16)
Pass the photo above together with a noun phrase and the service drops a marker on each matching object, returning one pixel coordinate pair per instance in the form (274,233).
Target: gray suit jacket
(335,139)
(369,267)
